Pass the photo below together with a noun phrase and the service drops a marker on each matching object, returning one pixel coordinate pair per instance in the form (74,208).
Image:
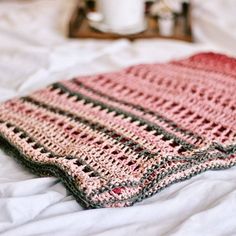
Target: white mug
(121,14)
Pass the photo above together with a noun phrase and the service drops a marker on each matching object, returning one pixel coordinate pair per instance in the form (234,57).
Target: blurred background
(209,21)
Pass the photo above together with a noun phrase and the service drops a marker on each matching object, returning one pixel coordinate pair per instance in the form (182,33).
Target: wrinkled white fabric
(34,57)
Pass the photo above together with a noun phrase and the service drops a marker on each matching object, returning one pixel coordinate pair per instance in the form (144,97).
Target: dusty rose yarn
(114,139)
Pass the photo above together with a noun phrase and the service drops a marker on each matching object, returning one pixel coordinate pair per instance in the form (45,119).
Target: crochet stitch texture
(114,139)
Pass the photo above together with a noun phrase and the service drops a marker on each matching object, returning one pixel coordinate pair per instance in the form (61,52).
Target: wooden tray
(79,28)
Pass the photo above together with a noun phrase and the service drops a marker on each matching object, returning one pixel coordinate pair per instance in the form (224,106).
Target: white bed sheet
(34,57)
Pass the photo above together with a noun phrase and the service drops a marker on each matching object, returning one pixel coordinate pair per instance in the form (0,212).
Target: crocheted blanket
(114,139)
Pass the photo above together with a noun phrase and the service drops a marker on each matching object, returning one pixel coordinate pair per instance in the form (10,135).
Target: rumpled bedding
(33,54)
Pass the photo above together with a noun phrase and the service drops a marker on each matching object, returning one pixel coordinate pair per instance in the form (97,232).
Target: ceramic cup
(121,14)
(166,24)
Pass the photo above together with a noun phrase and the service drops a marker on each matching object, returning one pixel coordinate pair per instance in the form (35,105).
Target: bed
(35,53)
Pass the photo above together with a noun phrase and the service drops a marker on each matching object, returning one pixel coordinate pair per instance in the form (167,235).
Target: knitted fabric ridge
(114,139)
